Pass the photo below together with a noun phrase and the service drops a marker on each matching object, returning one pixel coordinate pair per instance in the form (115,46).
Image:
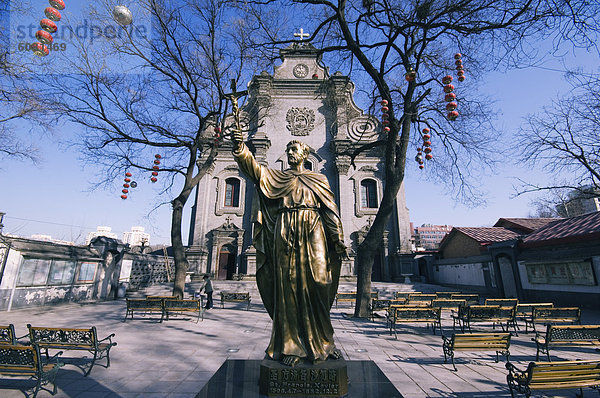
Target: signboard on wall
(561,273)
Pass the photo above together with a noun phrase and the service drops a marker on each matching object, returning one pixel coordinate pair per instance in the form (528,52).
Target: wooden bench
(471,298)
(559,375)
(72,339)
(171,306)
(566,336)
(25,360)
(351,297)
(402,295)
(505,302)
(499,342)
(493,314)
(235,297)
(554,315)
(7,335)
(409,314)
(143,305)
(524,311)
(421,297)
(382,305)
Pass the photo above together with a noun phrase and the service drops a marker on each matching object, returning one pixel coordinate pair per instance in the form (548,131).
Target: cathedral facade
(299,101)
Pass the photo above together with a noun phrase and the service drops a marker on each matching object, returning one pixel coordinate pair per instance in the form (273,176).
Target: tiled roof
(525,225)
(574,229)
(488,234)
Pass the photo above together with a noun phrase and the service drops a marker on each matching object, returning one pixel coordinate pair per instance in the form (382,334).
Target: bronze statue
(300,244)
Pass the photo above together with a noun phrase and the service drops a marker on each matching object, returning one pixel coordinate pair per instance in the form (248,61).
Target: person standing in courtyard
(300,244)
(208,289)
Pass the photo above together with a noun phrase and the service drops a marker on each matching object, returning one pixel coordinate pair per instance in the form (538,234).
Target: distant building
(581,202)
(100,231)
(136,237)
(429,236)
(48,238)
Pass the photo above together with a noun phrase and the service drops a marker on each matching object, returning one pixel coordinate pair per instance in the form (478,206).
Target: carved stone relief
(300,121)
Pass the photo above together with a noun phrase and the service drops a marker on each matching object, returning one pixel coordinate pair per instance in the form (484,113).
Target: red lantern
(386,129)
(44,37)
(125,190)
(447,79)
(48,25)
(384,102)
(52,14)
(426,130)
(461,78)
(155,167)
(426,144)
(426,137)
(384,109)
(40,49)
(58,4)
(448,88)
(427,150)
(457,56)
(155,173)
(459,68)
(460,72)
(452,115)
(125,185)
(450,97)
(419,158)
(451,106)
(153,179)
(385,116)
(419,149)
(127,179)
(157,156)
(315,76)
(385,122)
(123,196)
(157,161)
(429,156)
(410,75)
(128,174)
(458,62)
(421,166)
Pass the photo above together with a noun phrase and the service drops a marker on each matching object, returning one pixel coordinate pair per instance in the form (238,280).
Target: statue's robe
(295,228)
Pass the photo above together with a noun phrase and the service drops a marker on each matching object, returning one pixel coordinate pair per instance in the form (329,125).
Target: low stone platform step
(240,378)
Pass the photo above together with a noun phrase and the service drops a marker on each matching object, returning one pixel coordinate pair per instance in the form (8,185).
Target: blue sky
(54,197)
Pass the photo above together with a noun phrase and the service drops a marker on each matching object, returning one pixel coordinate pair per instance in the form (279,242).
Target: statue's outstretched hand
(237,138)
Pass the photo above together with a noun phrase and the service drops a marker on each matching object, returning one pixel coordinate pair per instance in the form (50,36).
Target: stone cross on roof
(301,35)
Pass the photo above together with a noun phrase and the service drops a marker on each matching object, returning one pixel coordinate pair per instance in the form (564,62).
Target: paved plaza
(176,358)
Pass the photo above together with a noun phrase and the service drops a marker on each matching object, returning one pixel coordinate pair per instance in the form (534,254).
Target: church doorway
(226,265)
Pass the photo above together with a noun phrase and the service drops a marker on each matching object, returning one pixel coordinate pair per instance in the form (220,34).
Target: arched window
(232,192)
(308,165)
(368,194)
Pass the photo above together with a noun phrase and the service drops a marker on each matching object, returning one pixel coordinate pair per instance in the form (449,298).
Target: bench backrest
(402,295)
(235,295)
(161,297)
(472,299)
(7,334)
(143,303)
(526,309)
(475,312)
(506,302)
(421,297)
(573,333)
(566,313)
(382,304)
(63,336)
(408,312)
(174,304)
(445,295)
(19,358)
(563,371)
(448,303)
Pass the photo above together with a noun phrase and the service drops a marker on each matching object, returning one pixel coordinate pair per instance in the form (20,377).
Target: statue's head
(297,152)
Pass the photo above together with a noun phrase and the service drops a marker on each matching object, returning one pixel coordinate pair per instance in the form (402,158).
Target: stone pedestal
(323,379)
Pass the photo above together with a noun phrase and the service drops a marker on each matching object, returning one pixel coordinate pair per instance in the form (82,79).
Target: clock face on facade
(300,70)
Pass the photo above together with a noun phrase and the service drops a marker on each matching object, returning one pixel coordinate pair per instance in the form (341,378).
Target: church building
(299,101)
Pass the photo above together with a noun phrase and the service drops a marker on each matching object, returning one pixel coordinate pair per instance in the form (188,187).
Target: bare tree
(563,140)
(400,50)
(168,97)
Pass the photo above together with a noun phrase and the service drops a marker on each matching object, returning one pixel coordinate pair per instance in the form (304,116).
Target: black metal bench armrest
(55,356)
(515,372)
(446,339)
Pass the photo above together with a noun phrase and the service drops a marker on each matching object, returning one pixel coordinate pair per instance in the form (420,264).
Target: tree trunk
(181,263)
